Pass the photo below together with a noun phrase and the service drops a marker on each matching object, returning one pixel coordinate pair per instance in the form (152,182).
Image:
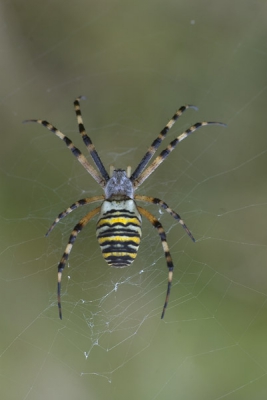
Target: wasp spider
(118,228)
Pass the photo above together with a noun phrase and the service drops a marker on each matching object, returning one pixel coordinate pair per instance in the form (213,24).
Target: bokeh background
(137,62)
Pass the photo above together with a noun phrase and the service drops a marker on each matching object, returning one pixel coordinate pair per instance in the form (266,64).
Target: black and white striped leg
(75,151)
(162,204)
(79,203)
(156,143)
(166,249)
(164,154)
(87,141)
(77,229)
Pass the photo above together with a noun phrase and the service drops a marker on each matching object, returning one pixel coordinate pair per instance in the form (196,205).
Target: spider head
(119,185)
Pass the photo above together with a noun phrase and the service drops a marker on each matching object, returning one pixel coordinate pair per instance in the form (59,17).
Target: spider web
(136,63)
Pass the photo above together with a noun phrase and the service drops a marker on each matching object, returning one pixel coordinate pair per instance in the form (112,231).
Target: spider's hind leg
(77,229)
(166,249)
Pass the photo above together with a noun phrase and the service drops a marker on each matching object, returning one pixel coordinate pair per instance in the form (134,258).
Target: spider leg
(77,229)
(152,149)
(87,141)
(162,204)
(76,152)
(73,207)
(166,249)
(164,154)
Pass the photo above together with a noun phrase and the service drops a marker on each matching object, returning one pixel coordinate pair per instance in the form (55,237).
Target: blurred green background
(137,62)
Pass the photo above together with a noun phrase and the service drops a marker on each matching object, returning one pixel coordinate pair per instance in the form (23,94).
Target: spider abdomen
(118,231)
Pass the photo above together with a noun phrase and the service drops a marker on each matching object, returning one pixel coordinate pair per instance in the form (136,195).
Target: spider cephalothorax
(118,227)
(119,184)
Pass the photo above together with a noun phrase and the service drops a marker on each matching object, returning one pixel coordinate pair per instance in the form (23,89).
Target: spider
(118,228)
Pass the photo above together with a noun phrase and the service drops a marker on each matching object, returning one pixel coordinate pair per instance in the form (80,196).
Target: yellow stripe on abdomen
(118,220)
(102,240)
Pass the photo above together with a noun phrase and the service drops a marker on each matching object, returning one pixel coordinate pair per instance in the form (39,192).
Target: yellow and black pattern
(118,232)
(118,228)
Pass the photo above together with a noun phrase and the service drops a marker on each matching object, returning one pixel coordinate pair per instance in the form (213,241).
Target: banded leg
(87,141)
(165,246)
(75,151)
(153,148)
(164,154)
(162,204)
(79,203)
(77,229)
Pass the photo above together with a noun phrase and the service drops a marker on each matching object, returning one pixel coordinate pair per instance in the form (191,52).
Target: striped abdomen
(118,232)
